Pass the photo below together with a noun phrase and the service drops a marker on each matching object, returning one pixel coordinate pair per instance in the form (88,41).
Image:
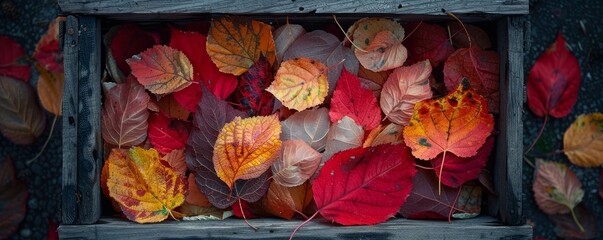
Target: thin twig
(546,118)
(54,121)
(346,35)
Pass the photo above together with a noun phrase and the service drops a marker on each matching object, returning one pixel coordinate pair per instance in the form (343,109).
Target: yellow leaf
(146,190)
(234,44)
(300,83)
(50,90)
(246,148)
(583,141)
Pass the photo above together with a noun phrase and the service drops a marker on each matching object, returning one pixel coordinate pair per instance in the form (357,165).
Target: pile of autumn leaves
(292,122)
(552,90)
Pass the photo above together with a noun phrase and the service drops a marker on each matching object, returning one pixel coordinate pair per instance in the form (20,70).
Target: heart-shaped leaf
(296,163)
(311,126)
(378,43)
(21,118)
(300,83)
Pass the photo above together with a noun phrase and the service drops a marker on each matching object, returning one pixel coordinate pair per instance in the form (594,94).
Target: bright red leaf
(364,186)
(458,170)
(167,134)
(427,42)
(352,100)
(478,66)
(12,60)
(192,44)
(554,81)
(129,40)
(251,93)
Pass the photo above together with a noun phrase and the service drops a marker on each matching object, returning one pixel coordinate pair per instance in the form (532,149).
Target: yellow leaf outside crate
(583,141)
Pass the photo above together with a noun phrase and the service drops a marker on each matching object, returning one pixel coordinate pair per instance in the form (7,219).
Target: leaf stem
(423,167)
(546,118)
(346,35)
(456,199)
(302,224)
(461,22)
(528,161)
(440,174)
(576,220)
(411,32)
(245,218)
(54,121)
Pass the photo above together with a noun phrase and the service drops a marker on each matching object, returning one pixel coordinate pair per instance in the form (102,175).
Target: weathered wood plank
(89,116)
(509,149)
(70,117)
(482,227)
(427,7)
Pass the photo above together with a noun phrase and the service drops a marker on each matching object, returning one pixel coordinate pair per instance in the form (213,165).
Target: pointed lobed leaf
(425,202)
(583,141)
(404,88)
(311,126)
(235,44)
(212,114)
(458,123)
(352,100)
(125,114)
(284,202)
(343,135)
(146,190)
(175,160)
(556,188)
(162,69)
(327,49)
(50,90)
(456,170)
(300,83)
(427,42)
(380,40)
(296,163)
(284,36)
(554,81)
(122,47)
(364,186)
(246,148)
(167,134)
(13,199)
(480,67)
(21,118)
(460,40)
(251,93)
(12,60)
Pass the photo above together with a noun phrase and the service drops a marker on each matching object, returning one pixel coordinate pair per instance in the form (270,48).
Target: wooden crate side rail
(82,154)
(427,7)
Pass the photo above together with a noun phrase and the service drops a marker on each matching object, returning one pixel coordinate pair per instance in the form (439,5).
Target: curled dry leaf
(583,141)
(343,135)
(146,190)
(235,44)
(403,89)
(125,114)
(13,199)
(284,202)
(167,134)
(21,118)
(284,36)
(378,43)
(162,69)
(427,42)
(556,188)
(300,83)
(480,67)
(327,49)
(12,60)
(175,159)
(296,163)
(364,186)
(352,100)
(311,126)
(245,148)
(460,40)
(50,90)
(554,81)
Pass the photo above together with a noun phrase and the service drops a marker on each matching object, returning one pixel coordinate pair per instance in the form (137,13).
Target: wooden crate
(82,142)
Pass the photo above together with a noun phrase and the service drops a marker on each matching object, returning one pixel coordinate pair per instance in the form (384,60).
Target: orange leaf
(378,43)
(50,90)
(284,202)
(195,196)
(175,159)
(246,148)
(146,190)
(583,141)
(391,134)
(458,123)
(300,83)
(235,44)
(162,69)
(371,136)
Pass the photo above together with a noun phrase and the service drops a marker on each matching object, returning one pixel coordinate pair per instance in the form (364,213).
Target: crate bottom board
(482,227)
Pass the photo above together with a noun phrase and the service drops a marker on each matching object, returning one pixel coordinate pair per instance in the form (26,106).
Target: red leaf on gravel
(13,199)
(458,170)
(251,93)
(554,81)
(352,100)
(128,41)
(427,42)
(167,134)
(12,60)
(364,186)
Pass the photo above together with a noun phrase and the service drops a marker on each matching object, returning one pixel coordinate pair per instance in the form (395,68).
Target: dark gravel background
(546,18)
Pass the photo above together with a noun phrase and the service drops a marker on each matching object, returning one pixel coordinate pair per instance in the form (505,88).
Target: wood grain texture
(482,227)
(507,205)
(70,115)
(427,7)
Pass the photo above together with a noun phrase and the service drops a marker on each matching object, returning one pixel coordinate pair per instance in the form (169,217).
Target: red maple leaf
(352,100)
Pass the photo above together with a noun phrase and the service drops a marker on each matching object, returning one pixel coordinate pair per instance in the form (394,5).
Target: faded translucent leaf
(297,162)
(284,36)
(21,118)
(343,135)
(311,126)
